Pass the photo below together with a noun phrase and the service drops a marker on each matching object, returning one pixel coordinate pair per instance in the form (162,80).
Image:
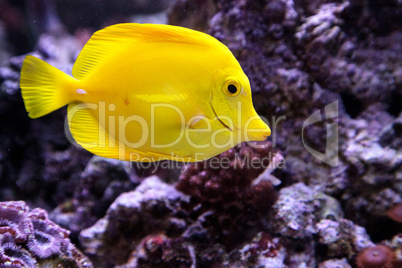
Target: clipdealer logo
(330,156)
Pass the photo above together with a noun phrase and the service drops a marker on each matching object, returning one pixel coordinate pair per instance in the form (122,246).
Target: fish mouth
(257,137)
(220,121)
(257,130)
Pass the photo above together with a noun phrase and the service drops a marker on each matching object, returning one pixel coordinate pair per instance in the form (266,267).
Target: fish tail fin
(44,88)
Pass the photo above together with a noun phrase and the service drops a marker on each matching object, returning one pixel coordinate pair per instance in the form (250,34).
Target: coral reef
(228,196)
(30,239)
(302,56)
(396,245)
(101,182)
(224,206)
(13,215)
(312,207)
(342,238)
(262,251)
(40,165)
(47,238)
(335,62)
(160,251)
(132,216)
(334,263)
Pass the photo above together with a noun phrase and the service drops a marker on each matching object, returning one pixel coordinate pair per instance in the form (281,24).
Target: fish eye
(231,87)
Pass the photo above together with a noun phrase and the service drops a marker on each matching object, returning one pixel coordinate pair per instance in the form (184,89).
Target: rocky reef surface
(326,74)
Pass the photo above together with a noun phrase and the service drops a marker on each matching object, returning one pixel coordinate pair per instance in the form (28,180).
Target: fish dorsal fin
(111,40)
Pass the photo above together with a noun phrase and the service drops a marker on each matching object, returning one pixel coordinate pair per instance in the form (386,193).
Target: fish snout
(256,130)
(262,136)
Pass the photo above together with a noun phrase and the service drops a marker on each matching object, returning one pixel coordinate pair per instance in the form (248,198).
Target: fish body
(144,92)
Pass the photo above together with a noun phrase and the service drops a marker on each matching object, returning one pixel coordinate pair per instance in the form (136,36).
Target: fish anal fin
(88,132)
(161,156)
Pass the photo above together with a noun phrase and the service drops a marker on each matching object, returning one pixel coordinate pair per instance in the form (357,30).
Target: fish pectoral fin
(181,97)
(200,122)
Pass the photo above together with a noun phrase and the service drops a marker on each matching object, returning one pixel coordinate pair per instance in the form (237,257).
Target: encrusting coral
(30,239)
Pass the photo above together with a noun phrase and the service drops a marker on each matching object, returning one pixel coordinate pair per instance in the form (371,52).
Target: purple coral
(12,255)
(48,238)
(28,238)
(13,214)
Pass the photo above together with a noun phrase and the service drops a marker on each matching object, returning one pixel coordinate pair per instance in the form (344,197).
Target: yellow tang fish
(145,92)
